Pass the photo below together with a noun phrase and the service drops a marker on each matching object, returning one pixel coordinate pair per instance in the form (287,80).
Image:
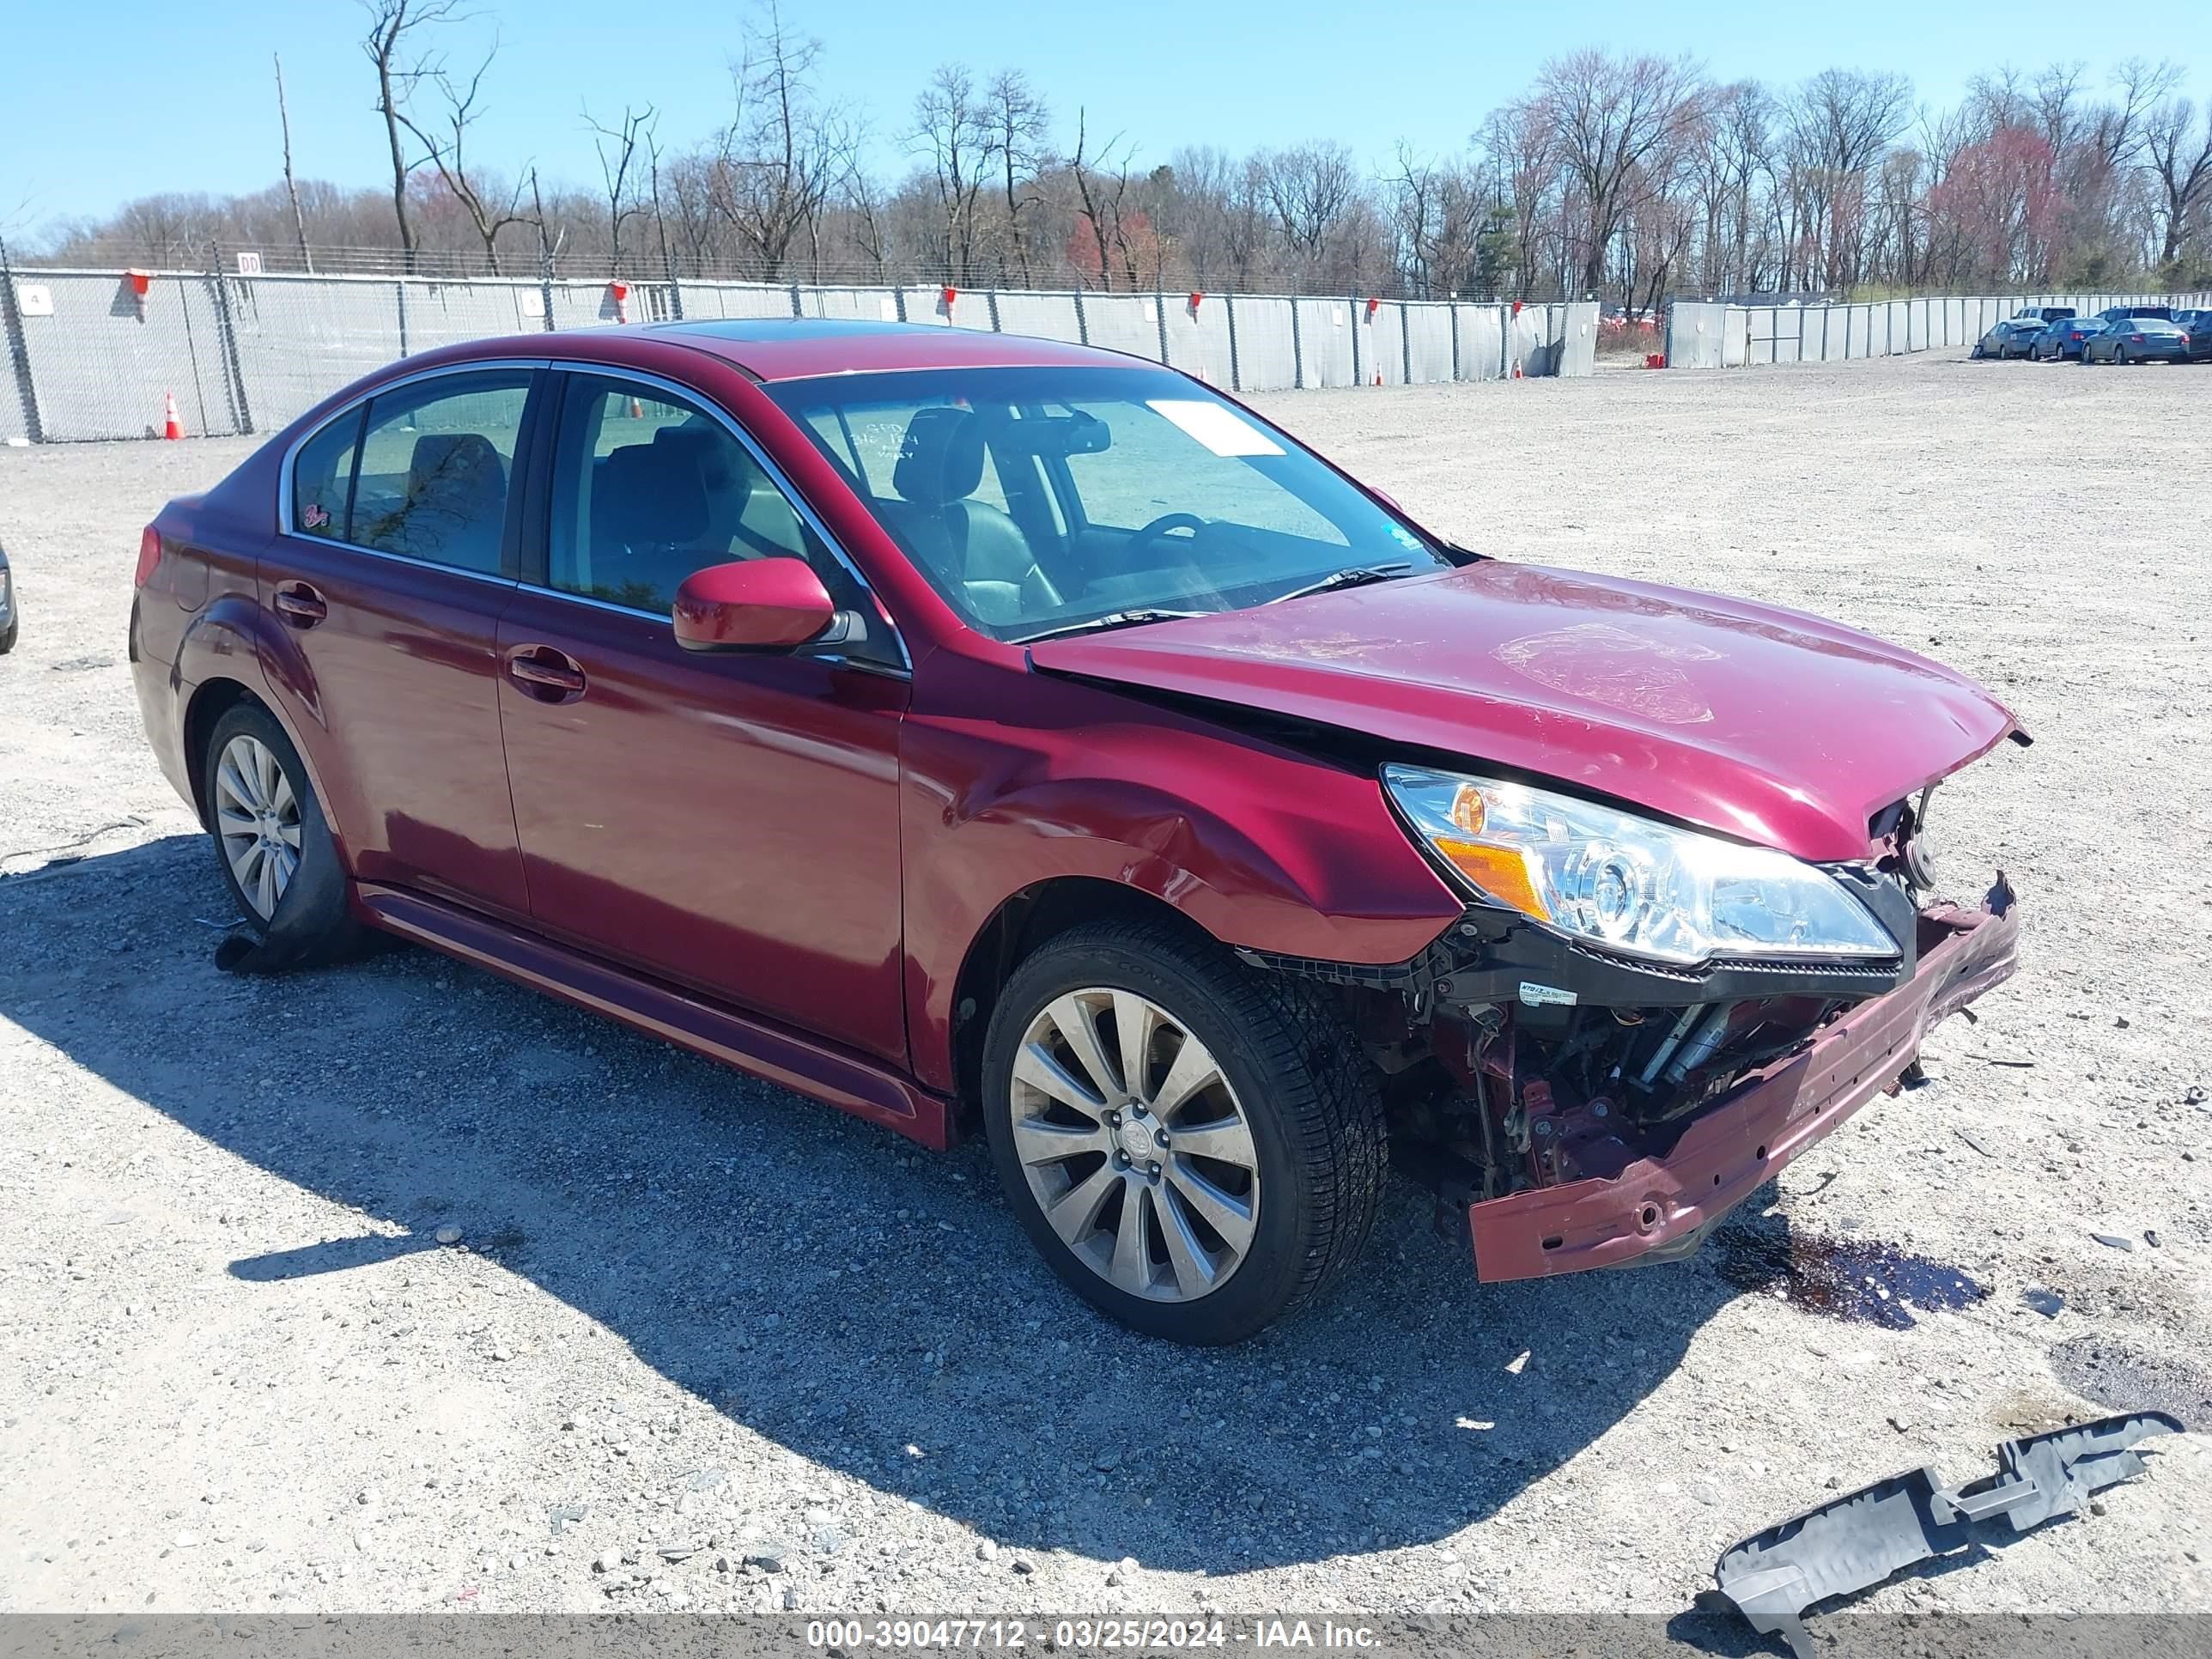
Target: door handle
(548,675)
(299,605)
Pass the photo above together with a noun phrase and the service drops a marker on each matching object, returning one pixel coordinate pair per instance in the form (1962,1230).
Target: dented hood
(1756,721)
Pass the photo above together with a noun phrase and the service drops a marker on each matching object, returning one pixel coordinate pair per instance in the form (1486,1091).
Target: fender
(235,639)
(1263,847)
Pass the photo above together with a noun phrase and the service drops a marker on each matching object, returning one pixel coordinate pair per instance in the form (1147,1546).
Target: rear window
(322,479)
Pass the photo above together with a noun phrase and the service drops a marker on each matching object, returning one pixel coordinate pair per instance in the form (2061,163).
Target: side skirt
(862,1087)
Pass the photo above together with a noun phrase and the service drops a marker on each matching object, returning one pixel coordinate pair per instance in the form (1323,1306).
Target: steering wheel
(1159,527)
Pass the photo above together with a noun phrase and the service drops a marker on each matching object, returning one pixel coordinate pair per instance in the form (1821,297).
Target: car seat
(747,516)
(975,549)
(456,509)
(650,526)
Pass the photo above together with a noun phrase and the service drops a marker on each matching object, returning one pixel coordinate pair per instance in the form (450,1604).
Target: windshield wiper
(1112,619)
(1355,576)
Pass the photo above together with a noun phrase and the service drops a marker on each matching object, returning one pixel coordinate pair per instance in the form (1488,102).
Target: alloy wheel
(258,817)
(1134,1145)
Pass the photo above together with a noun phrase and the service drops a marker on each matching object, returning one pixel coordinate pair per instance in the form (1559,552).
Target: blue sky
(122,97)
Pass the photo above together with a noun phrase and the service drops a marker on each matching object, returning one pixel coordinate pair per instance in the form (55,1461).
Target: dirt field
(706,1345)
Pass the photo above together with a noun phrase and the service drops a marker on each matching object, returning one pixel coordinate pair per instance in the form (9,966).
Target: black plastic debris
(1869,1536)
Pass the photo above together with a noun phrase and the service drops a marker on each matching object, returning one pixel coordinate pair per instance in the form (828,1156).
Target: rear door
(395,560)
(727,822)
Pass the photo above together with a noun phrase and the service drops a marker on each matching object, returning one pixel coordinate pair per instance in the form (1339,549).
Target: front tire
(1196,1146)
(274,847)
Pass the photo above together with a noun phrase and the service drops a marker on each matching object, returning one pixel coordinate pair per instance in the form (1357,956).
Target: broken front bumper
(1665,1205)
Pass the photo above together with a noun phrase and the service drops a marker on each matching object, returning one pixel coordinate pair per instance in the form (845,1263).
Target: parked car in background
(2063,338)
(2044,313)
(2010,339)
(2138,340)
(2114,313)
(983,734)
(2199,325)
(9,619)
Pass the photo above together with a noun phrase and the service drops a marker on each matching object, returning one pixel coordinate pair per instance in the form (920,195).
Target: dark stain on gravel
(2130,1379)
(1863,1281)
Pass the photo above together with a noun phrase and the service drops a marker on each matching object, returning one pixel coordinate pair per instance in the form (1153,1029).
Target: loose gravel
(395,1286)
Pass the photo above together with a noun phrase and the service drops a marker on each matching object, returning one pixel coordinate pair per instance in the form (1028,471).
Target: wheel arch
(213,698)
(1023,922)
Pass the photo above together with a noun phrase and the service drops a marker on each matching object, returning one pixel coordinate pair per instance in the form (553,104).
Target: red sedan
(974,732)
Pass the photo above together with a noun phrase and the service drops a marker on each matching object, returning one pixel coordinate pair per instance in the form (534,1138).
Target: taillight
(149,555)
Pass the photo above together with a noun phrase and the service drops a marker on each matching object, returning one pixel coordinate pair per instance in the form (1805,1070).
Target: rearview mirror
(753,604)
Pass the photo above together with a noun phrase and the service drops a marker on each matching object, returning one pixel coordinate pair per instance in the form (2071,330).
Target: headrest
(651,496)
(941,459)
(455,460)
(720,461)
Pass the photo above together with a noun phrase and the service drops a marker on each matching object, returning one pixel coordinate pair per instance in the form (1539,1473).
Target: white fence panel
(1429,346)
(1044,316)
(1266,359)
(1198,337)
(1325,342)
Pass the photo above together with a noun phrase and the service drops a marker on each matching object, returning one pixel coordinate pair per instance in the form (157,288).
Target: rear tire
(1287,1110)
(8,638)
(274,847)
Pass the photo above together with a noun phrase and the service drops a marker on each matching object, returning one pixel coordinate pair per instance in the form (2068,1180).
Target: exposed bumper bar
(1665,1204)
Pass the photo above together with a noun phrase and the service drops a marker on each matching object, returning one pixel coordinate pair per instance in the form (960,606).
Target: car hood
(1756,721)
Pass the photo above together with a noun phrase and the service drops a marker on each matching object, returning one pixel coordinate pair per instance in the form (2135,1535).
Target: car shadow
(868,1305)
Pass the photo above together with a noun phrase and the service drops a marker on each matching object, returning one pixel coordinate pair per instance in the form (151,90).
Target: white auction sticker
(1221,431)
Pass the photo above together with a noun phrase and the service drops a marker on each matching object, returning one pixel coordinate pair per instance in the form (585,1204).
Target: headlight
(1628,884)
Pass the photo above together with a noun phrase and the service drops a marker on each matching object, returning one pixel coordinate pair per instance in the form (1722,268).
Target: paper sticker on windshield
(1222,430)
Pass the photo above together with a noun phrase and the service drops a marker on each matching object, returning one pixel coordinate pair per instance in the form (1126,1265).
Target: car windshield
(1044,501)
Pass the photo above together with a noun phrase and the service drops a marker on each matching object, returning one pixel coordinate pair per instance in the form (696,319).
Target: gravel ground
(704,1344)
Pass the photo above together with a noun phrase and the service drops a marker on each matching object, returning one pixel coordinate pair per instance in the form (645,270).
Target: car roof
(797,347)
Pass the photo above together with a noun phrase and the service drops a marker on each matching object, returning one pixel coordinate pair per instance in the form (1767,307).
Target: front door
(729,823)
(390,577)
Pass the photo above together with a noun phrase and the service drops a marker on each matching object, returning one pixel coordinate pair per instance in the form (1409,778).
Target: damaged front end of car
(1635,1025)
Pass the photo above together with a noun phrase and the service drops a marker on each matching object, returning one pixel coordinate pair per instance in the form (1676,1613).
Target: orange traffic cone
(1378,377)
(172,427)
(1516,368)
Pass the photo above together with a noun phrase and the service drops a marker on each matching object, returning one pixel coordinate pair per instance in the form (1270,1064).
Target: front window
(1043,501)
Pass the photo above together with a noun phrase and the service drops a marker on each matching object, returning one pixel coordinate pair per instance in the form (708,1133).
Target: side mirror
(753,604)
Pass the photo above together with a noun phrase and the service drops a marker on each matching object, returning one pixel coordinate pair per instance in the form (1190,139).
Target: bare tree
(1611,117)
(1309,187)
(391,47)
(444,146)
(1021,125)
(2181,162)
(291,184)
(1838,126)
(1101,193)
(777,162)
(1435,211)
(955,134)
(617,146)
(2142,86)
(1523,149)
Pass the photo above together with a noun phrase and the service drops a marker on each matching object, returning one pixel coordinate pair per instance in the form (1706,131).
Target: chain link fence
(98,353)
(1716,336)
